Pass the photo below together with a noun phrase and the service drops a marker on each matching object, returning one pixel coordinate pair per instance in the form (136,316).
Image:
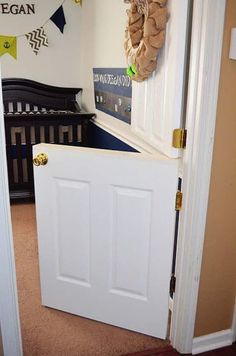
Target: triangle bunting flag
(8,45)
(58,18)
(37,39)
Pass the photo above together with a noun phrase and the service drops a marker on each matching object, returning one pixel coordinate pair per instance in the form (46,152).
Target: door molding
(208,21)
(212,341)
(234,323)
(10,325)
(204,73)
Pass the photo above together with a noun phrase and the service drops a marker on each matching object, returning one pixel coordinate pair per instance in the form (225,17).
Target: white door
(105,232)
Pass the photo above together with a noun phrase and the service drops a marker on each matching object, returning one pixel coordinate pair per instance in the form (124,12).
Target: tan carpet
(49,332)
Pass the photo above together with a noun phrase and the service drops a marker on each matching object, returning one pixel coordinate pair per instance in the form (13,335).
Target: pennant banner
(37,39)
(58,18)
(8,45)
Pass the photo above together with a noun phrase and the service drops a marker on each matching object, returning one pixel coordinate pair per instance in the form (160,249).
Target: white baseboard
(234,323)
(212,341)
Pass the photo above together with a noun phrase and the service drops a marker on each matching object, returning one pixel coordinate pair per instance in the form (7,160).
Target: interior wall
(101,43)
(93,37)
(218,275)
(56,64)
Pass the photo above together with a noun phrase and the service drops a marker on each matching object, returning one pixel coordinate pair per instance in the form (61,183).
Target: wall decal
(17,9)
(113,92)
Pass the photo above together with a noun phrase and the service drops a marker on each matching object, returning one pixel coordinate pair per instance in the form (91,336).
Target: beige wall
(218,275)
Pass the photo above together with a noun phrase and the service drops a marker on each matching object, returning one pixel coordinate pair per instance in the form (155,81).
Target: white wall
(93,37)
(102,29)
(55,65)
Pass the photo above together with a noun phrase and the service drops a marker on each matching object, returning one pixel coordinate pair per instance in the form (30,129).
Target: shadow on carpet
(167,351)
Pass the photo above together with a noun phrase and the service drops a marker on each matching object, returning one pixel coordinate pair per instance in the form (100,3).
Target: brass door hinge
(179,138)
(178,200)
(172,284)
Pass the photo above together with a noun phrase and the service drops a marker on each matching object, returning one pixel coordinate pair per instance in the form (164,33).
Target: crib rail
(36,113)
(23,133)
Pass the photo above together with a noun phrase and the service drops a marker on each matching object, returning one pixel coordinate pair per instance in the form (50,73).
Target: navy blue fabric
(58,18)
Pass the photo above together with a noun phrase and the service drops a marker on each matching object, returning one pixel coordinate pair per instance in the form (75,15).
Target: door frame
(9,311)
(204,76)
(204,73)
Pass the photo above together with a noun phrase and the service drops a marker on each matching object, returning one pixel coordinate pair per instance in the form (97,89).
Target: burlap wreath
(145,36)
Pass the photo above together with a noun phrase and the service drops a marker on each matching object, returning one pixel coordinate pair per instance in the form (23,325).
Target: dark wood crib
(36,113)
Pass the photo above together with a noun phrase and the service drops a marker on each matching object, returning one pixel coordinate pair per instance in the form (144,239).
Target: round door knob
(40,160)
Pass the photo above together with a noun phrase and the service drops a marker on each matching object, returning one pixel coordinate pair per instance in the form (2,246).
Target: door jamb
(208,21)
(204,73)
(9,311)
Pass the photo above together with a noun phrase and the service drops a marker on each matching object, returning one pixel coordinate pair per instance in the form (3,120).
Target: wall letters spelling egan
(16,9)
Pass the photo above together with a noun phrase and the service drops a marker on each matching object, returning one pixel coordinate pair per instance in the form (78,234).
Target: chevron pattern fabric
(37,39)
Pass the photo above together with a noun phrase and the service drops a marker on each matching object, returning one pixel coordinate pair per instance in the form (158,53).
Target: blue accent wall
(99,138)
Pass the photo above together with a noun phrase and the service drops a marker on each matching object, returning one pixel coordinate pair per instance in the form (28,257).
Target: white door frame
(204,73)
(9,313)
(207,35)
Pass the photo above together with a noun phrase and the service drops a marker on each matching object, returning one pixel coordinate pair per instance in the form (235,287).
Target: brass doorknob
(40,160)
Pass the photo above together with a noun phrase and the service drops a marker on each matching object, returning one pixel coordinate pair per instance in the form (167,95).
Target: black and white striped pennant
(37,39)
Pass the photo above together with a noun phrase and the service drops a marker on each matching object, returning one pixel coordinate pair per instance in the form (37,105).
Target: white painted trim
(216,340)
(206,48)
(234,323)
(9,313)
(212,341)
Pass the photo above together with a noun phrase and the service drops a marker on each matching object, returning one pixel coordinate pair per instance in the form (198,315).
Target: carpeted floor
(48,332)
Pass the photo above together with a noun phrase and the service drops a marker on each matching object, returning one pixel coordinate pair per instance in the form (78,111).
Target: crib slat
(84,134)
(23,106)
(47,134)
(29,155)
(31,107)
(65,138)
(74,134)
(19,158)
(9,156)
(56,134)
(14,104)
(37,134)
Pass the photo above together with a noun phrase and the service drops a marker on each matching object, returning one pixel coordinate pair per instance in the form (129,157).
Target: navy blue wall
(99,138)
